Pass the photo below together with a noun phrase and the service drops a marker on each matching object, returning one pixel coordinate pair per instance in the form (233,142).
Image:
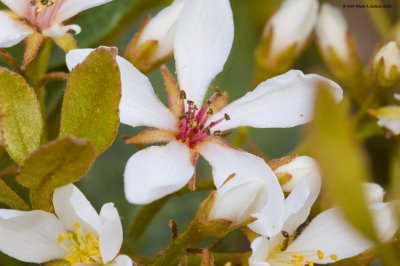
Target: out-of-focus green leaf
(342,162)
(55,164)
(90,107)
(21,118)
(10,198)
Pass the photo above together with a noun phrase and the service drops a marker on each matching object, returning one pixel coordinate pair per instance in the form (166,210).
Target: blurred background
(114,24)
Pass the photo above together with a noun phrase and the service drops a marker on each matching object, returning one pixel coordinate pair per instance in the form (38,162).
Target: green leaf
(10,198)
(21,118)
(92,95)
(342,162)
(55,164)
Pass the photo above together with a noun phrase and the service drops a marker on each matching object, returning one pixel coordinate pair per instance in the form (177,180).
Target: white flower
(332,31)
(326,239)
(76,233)
(292,25)
(203,39)
(388,117)
(239,198)
(161,28)
(389,58)
(46,17)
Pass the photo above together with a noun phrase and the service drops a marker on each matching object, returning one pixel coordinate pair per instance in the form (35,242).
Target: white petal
(19,7)
(32,237)
(390,54)
(292,24)
(373,192)
(260,249)
(332,30)
(385,219)
(58,30)
(298,168)
(12,31)
(299,202)
(110,233)
(122,260)
(226,161)
(139,104)
(393,124)
(71,8)
(239,198)
(157,171)
(162,29)
(203,40)
(7,214)
(397,96)
(283,101)
(71,206)
(329,233)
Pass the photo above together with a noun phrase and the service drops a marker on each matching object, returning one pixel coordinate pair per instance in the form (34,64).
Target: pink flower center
(193,122)
(42,13)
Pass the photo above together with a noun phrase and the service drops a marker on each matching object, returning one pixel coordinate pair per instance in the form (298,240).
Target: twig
(10,170)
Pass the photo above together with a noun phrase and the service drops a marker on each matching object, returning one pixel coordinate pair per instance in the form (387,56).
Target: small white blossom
(389,57)
(191,126)
(76,233)
(47,17)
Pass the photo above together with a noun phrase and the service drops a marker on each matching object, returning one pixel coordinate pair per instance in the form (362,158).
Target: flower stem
(10,59)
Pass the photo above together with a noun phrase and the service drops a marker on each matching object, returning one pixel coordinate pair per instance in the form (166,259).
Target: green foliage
(21,119)
(342,162)
(10,198)
(55,164)
(91,100)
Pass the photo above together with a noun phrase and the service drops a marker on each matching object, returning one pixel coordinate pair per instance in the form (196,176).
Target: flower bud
(294,170)
(386,65)
(388,117)
(286,35)
(153,43)
(336,44)
(238,199)
(373,192)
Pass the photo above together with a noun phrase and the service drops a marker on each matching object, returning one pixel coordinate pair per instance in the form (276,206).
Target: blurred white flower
(332,32)
(388,57)
(161,28)
(47,17)
(239,198)
(388,117)
(192,126)
(374,193)
(76,233)
(327,238)
(291,25)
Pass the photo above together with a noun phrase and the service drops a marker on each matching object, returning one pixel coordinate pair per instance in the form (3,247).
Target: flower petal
(226,160)
(71,207)
(71,8)
(19,7)
(157,171)
(283,101)
(299,202)
(162,29)
(58,30)
(32,237)
(110,233)
(239,198)
(11,30)
(203,40)
(332,235)
(373,192)
(122,260)
(260,249)
(139,104)
(7,214)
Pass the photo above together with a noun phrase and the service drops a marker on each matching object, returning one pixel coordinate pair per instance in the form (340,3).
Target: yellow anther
(320,254)
(310,262)
(333,257)
(70,236)
(60,238)
(76,225)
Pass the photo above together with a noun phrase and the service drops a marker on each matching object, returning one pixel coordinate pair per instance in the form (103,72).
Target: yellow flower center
(40,4)
(82,247)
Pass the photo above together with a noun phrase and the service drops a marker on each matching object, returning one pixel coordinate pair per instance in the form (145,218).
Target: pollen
(310,262)
(320,254)
(333,257)
(82,247)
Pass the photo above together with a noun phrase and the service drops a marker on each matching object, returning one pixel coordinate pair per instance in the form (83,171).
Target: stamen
(227,117)
(310,262)
(320,254)
(183,95)
(333,257)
